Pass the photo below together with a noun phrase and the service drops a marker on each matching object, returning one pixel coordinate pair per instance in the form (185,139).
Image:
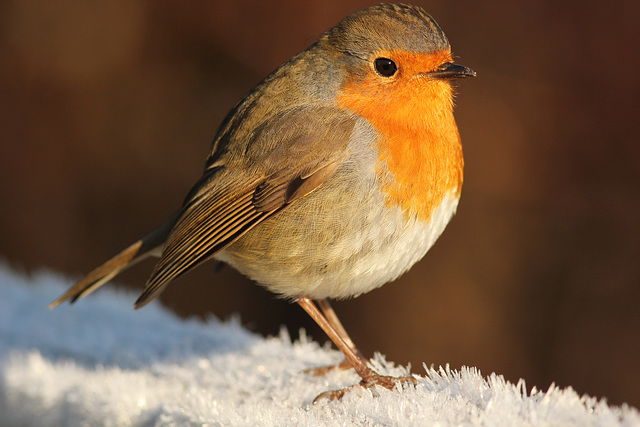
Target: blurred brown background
(107,111)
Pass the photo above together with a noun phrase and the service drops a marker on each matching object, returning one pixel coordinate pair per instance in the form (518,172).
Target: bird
(331,177)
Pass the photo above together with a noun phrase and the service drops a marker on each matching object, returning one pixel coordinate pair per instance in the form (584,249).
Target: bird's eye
(385,67)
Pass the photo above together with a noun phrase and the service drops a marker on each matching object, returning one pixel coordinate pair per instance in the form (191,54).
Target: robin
(332,177)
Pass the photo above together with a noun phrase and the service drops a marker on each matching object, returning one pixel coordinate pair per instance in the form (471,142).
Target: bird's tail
(149,245)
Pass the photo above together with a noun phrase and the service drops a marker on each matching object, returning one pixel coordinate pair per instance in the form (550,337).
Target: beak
(450,70)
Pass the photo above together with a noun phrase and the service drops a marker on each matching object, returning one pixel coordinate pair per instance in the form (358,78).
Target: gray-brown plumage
(330,178)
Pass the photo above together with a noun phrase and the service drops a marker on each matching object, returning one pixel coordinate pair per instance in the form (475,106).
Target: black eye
(385,67)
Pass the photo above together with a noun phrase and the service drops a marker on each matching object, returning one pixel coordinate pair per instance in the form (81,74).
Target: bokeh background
(107,110)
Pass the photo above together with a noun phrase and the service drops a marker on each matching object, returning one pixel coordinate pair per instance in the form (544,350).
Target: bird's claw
(379,380)
(324,370)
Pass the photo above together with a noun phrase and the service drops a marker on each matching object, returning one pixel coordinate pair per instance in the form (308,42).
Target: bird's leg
(349,351)
(333,320)
(369,377)
(332,317)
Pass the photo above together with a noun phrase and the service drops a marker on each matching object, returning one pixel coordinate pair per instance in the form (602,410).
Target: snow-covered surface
(99,362)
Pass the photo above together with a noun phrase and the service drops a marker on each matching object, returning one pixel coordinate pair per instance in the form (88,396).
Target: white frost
(100,362)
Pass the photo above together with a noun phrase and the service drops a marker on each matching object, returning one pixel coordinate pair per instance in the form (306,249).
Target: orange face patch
(419,141)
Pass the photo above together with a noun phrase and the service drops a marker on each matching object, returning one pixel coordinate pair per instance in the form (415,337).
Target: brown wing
(285,160)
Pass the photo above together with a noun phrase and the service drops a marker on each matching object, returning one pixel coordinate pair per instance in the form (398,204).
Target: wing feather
(197,236)
(286,159)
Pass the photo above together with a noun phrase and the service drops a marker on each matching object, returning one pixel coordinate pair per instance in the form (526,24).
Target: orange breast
(419,141)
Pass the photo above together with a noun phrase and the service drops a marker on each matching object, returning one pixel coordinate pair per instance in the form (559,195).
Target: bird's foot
(377,380)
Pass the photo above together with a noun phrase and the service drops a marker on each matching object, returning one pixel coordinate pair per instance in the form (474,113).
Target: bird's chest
(419,168)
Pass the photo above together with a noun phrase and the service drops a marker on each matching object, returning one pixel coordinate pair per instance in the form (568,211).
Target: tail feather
(149,245)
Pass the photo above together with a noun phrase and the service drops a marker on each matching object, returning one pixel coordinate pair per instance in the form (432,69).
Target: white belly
(324,252)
